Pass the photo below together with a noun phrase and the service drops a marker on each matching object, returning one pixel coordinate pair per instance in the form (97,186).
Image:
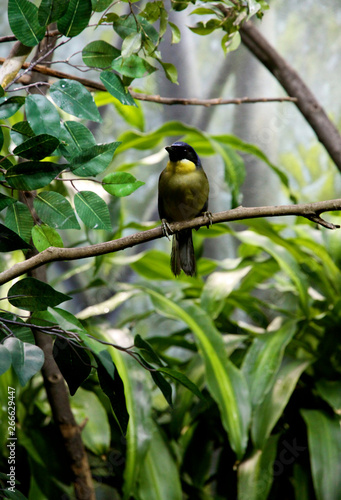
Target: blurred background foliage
(257,331)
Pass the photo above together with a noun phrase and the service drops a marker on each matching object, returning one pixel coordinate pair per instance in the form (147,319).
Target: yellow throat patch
(181,166)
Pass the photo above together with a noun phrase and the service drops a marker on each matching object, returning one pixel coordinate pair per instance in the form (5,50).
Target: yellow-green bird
(183,195)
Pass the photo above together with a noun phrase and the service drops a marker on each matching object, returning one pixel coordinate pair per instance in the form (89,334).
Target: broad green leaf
(324,438)
(31,294)
(131,114)
(5,358)
(10,240)
(176,33)
(75,138)
(23,20)
(6,201)
(96,433)
(19,219)
(153,265)
(99,54)
(114,85)
(72,97)
(170,71)
(159,478)
(51,10)
(131,44)
(18,327)
(270,410)
(121,184)
(263,359)
(37,148)
(330,391)
(76,18)
(10,105)
(73,361)
(92,210)
(44,237)
(27,359)
(55,210)
(132,66)
(21,131)
(130,25)
(100,5)
(255,474)
(94,160)
(42,115)
(225,381)
(30,175)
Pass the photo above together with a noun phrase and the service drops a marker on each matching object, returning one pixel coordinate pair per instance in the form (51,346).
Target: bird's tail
(183,253)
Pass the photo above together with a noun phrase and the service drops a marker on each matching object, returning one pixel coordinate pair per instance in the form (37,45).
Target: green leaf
(263,359)
(75,138)
(76,18)
(183,380)
(1,137)
(99,54)
(6,201)
(133,115)
(5,358)
(121,184)
(94,160)
(10,105)
(170,71)
(115,87)
(153,265)
(324,440)
(23,20)
(55,210)
(31,175)
(146,350)
(19,219)
(51,10)
(44,237)
(73,361)
(100,5)
(38,147)
(176,33)
(330,391)
(21,131)
(92,210)
(10,240)
(164,386)
(42,115)
(225,381)
(27,359)
(270,410)
(131,44)
(130,25)
(132,66)
(72,97)
(31,294)
(159,478)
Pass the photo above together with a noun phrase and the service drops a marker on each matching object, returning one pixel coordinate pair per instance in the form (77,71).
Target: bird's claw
(209,217)
(166,228)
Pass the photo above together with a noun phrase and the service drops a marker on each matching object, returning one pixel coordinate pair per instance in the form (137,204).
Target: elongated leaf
(76,18)
(42,115)
(159,478)
(1,138)
(19,219)
(269,411)
(93,160)
(75,138)
(121,184)
(170,71)
(99,54)
(31,175)
(6,201)
(23,20)
(37,148)
(226,383)
(114,85)
(34,295)
(92,210)
(5,358)
(10,240)
(132,66)
(263,359)
(51,10)
(183,380)
(73,361)
(324,439)
(55,210)
(147,351)
(176,33)
(10,105)
(330,391)
(164,386)
(44,237)
(72,97)
(27,359)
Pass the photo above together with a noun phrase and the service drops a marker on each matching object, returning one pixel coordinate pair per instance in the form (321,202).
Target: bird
(182,195)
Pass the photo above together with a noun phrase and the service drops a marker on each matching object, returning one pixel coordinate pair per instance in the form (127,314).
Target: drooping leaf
(114,85)
(93,160)
(44,237)
(75,138)
(183,380)
(76,18)
(34,295)
(92,210)
(23,20)
(164,386)
(42,115)
(20,132)
(72,97)
(27,359)
(19,219)
(6,201)
(170,71)
(176,33)
(121,184)
(130,25)
(30,175)
(10,240)
(51,10)
(10,105)
(5,358)
(99,54)
(132,66)
(55,210)
(131,114)
(330,391)
(73,362)
(131,44)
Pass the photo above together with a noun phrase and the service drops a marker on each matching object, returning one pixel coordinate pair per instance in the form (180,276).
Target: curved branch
(310,211)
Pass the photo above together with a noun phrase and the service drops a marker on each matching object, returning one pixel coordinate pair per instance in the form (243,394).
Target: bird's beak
(168,149)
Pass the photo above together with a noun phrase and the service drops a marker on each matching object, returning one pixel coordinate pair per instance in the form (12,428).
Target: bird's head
(182,151)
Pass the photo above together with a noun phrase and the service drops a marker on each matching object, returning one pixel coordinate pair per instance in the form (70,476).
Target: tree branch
(326,131)
(310,211)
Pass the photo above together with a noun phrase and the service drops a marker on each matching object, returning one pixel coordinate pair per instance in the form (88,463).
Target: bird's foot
(166,228)
(209,217)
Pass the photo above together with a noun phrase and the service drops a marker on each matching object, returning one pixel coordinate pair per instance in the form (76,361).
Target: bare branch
(310,211)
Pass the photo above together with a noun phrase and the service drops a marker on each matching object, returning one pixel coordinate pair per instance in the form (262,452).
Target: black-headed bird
(183,195)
